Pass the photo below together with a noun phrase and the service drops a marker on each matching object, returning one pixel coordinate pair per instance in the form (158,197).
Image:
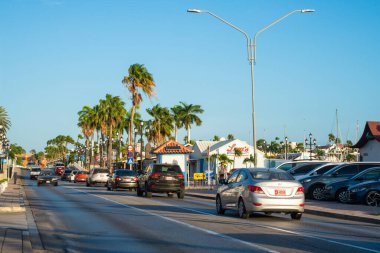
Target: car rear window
(166,168)
(59,164)
(100,171)
(269,175)
(125,173)
(67,171)
(82,172)
(36,169)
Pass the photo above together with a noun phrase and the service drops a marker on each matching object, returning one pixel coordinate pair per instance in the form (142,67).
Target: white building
(198,159)
(369,143)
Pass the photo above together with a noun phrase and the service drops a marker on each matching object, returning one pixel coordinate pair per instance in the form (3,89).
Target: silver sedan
(261,190)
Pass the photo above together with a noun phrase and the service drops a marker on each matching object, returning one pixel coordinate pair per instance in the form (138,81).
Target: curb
(314,212)
(12,209)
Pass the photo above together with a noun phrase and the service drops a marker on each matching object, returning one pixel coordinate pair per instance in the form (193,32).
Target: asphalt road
(75,218)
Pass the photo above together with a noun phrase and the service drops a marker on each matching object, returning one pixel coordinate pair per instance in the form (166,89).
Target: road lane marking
(252,245)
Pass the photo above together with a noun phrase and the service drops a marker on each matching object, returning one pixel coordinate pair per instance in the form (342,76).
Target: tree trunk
(109,160)
(176,133)
(188,134)
(131,128)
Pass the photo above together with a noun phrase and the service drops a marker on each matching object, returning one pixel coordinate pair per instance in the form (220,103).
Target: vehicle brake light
(180,176)
(117,178)
(302,205)
(255,189)
(257,204)
(136,179)
(155,175)
(300,190)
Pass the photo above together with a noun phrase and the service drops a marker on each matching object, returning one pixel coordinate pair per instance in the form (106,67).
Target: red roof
(371,132)
(172,147)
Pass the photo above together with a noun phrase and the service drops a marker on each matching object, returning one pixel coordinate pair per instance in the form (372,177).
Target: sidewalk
(14,233)
(354,212)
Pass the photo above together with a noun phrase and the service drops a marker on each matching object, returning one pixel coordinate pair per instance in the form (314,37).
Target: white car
(35,171)
(71,177)
(97,175)
(317,171)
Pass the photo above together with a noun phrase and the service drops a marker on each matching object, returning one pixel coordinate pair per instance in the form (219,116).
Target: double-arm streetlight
(251,50)
(311,143)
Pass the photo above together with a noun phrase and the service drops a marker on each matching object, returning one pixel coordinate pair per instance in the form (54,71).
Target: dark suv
(161,178)
(314,186)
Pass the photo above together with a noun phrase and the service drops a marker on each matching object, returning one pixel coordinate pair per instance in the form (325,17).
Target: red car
(81,176)
(59,168)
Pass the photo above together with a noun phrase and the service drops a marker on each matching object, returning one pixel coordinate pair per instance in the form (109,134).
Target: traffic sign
(130,161)
(199,176)
(130,148)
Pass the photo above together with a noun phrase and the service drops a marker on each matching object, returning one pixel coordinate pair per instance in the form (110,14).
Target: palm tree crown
(189,117)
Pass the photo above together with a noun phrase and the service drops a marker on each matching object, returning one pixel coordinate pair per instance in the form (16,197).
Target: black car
(122,179)
(314,186)
(65,175)
(47,177)
(161,178)
(367,193)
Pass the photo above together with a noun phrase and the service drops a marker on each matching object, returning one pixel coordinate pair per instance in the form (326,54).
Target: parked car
(321,169)
(161,178)
(290,165)
(47,177)
(81,176)
(71,177)
(304,168)
(367,193)
(314,186)
(261,190)
(122,179)
(96,176)
(35,172)
(59,168)
(338,190)
(65,175)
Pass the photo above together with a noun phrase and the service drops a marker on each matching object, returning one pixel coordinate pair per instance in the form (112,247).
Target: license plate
(127,180)
(279,192)
(47,182)
(168,178)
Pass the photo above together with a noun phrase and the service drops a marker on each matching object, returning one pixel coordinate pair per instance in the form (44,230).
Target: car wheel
(75,182)
(139,192)
(181,194)
(342,196)
(87,184)
(148,193)
(242,211)
(219,206)
(56,184)
(317,192)
(372,198)
(296,216)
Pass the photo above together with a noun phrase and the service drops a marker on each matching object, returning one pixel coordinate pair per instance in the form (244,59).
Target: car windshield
(166,168)
(67,171)
(270,175)
(125,173)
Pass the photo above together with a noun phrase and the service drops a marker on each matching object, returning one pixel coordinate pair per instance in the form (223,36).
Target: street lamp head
(306,10)
(195,11)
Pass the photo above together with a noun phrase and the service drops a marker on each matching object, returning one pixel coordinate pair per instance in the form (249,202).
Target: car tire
(139,192)
(317,192)
(219,206)
(148,193)
(296,216)
(56,184)
(372,198)
(242,210)
(342,196)
(181,194)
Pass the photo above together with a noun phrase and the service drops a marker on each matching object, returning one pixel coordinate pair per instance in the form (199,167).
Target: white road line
(253,245)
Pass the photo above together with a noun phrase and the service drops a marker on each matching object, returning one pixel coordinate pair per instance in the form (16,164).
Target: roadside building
(204,149)
(369,143)
(172,152)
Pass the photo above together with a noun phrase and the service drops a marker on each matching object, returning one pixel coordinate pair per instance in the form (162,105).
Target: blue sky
(58,55)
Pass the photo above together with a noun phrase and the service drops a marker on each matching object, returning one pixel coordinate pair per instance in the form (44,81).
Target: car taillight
(136,179)
(300,190)
(180,176)
(117,178)
(155,175)
(255,189)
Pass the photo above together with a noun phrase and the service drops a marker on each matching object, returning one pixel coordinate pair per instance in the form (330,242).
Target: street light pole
(141,143)
(251,50)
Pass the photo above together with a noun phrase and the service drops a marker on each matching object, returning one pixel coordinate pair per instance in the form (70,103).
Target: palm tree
(216,138)
(250,160)
(224,161)
(331,137)
(4,119)
(136,121)
(178,119)
(237,153)
(114,113)
(161,126)
(86,123)
(230,137)
(189,112)
(138,79)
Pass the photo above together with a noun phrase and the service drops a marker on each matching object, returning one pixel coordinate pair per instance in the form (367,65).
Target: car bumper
(126,185)
(46,182)
(165,188)
(356,197)
(262,204)
(80,180)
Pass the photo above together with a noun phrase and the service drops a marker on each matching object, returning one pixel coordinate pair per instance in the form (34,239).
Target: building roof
(371,132)
(172,147)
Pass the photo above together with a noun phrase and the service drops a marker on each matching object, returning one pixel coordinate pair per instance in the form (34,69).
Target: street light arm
(267,27)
